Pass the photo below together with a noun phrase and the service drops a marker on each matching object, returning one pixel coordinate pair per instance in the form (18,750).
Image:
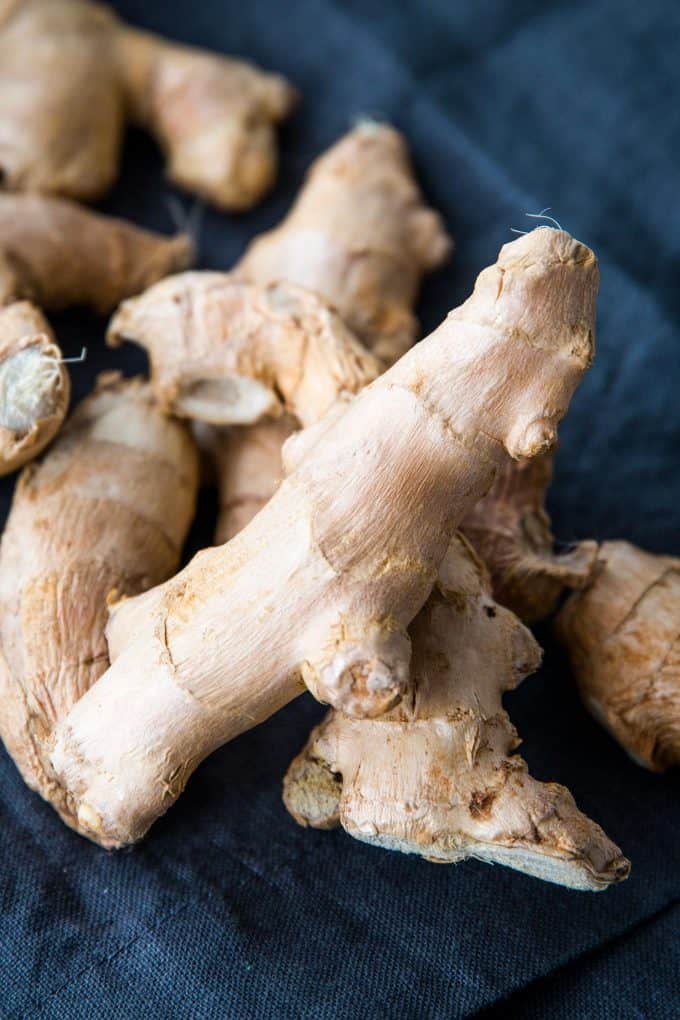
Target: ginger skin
(510,530)
(436,775)
(420,445)
(106,510)
(63,108)
(361,236)
(34,385)
(622,635)
(227,352)
(248,471)
(59,254)
(213,117)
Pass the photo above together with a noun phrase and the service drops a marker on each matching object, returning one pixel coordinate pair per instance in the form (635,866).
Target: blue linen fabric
(229,909)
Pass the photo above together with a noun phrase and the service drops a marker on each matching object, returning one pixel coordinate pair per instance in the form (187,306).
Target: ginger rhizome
(34,385)
(71,74)
(58,254)
(436,776)
(227,352)
(105,512)
(215,118)
(361,236)
(248,470)
(510,529)
(348,548)
(622,635)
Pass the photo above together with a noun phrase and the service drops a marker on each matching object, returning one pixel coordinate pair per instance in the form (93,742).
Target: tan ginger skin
(71,74)
(458,791)
(510,530)
(420,445)
(248,471)
(227,352)
(59,254)
(105,511)
(361,236)
(622,635)
(34,385)
(436,776)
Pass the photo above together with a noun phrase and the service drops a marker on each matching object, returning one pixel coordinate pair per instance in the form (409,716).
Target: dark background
(229,909)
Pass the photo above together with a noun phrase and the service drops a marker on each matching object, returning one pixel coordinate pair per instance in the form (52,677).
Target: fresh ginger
(71,74)
(34,385)
(436,775)
(248,470)
(227,352)
(361,236)
(510,529)
(213,117)
(348,548)
(59,254)
(622,635)
(105,511)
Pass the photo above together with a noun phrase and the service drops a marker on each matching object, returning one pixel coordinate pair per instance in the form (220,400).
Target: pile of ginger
(382,539)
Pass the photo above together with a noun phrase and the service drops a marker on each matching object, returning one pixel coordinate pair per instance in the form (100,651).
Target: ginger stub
(421,445)
(34,385)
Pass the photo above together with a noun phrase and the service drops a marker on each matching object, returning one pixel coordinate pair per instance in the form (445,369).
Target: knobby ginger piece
(436,776)
(361,236)
(34,385)
(70,76)
(62,107)
(106,510)
(321,585)
(214,117)
(511,531)
(249,469)
(623,638)
(227,352)
(57,253)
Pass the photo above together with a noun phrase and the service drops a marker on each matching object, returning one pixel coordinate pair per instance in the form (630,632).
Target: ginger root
(70,76)
(248,470)
(227,352)
(349,547)
(62,108)
(213,117)
(34,385)
(436,775)
(359,235)
(510,530)
(106,510)
(58,254)
(622,635)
